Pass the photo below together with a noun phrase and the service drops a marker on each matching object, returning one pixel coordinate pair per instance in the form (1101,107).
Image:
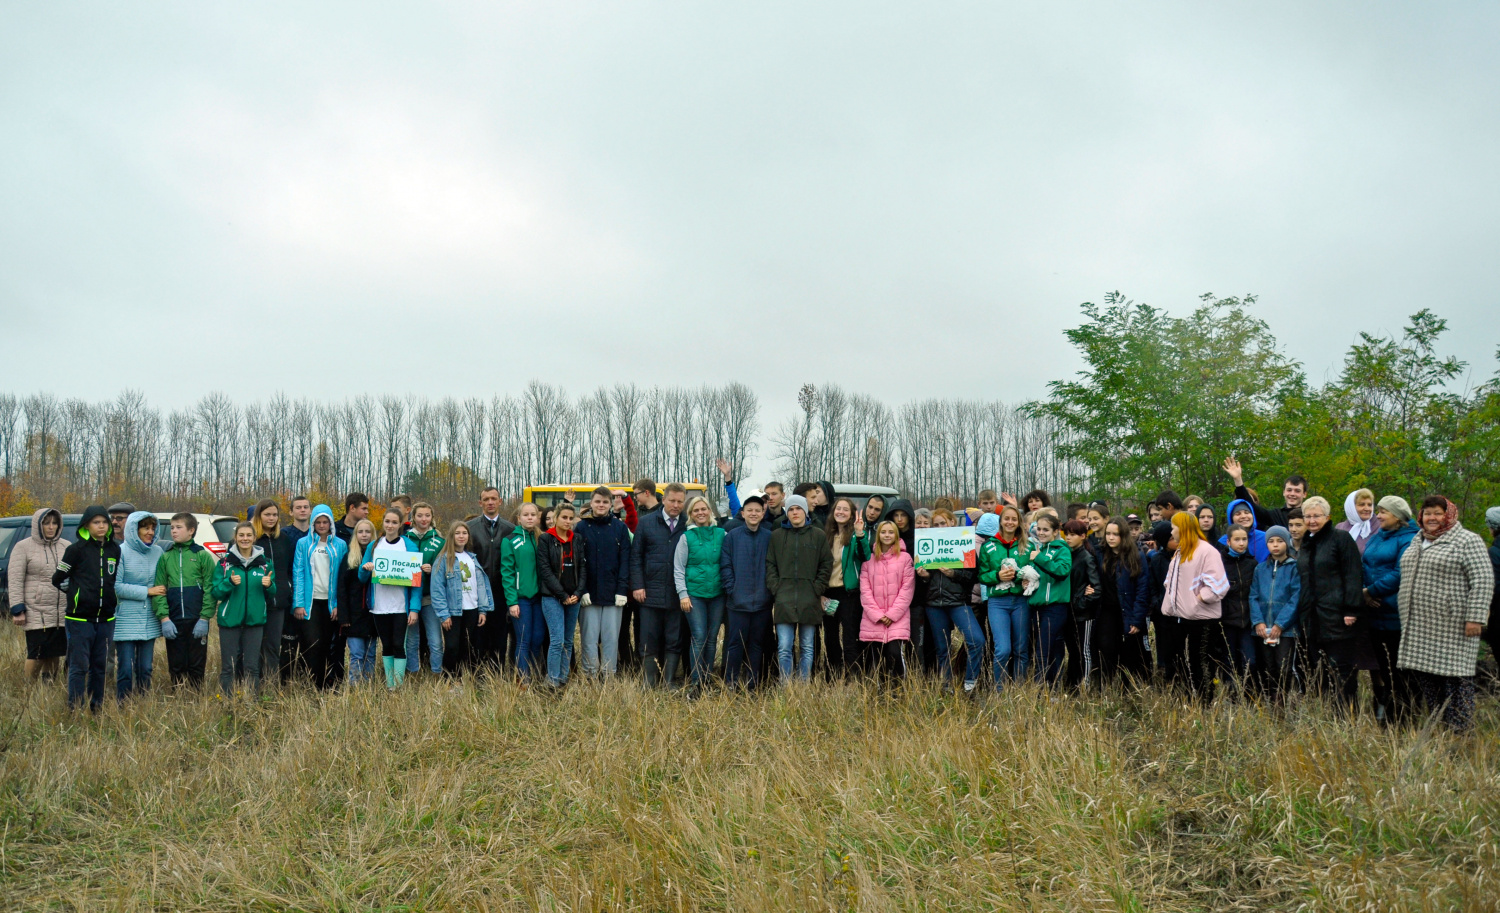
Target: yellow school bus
(548,495)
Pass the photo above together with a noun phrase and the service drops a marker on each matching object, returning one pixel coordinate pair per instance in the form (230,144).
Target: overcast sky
(910,200)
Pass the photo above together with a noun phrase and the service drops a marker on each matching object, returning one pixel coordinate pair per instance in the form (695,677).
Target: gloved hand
(18,609)
(620,601)
(200,630)
(585,601)
(168,629)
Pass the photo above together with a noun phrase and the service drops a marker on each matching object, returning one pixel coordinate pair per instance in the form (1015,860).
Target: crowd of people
(1256,603)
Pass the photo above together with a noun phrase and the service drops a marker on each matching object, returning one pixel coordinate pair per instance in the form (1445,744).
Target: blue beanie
(988,525)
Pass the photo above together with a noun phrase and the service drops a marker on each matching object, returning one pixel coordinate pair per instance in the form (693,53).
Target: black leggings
(391,629)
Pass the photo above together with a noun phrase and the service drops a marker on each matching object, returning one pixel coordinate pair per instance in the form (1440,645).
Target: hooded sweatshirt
(308,564)
(87,571)
(908,535)
(244,604)
(33,561)
(135,619)
(1257,536)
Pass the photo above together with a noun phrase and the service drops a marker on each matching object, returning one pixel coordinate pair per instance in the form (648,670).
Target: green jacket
(243,604)
(991,555)
(798,564)
(856,553)
(701,570)
(1055,563)
(429,544)
(518,566)
(186,569)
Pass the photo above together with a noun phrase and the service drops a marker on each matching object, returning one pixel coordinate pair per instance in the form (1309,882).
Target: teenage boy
(86,574)
(186,571)
(775,499)
(356,508)
(1293,491)
(1296,526)
(1275,594)
(301,514)
(651,561)
(988,501)
(606,578)
(742,570)
(494,644)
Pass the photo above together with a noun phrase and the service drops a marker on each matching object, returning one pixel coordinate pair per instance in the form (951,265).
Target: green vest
(702,571)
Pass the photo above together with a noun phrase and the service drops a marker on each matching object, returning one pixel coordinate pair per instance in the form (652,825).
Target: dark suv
(13,530)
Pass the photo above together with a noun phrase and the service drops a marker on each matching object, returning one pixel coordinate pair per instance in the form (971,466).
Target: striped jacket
(1444,583)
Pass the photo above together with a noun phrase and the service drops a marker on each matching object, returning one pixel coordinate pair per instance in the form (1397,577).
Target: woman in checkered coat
(1446,582)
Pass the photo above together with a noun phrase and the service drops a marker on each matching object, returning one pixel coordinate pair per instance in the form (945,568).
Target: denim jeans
(88,645)
(433,625)
(601,638)
(940,621)
(805,636)
(560,620)
(361,658)
(133,665)
(530,630)
(705,621)
(1050,620)
(1010,628)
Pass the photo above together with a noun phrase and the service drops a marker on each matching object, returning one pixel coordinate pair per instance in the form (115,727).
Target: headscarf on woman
(1450,520)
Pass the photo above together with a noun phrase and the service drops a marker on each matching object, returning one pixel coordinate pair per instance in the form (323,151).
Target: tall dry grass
(806,798)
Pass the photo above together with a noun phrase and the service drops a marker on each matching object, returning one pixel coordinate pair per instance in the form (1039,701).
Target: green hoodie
(991,555)
(186,569)
(518,566)
(1055,562)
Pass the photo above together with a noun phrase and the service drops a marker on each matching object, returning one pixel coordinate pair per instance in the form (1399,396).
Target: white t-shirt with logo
(467,568)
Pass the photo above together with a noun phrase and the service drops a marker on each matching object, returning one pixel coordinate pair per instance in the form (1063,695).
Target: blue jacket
(302,578)
(448,588)
(651,557)
(742,568)
(135,619)
(607,573)
(413,593)
(1274,594)
(1257,536)
(1132,594)
(1382,566)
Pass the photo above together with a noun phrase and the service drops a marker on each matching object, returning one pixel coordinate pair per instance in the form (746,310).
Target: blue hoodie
(1382,567)
(134,617)
(1257,537)
(302,576)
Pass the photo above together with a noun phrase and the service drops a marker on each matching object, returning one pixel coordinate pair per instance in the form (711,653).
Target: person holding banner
(395,565)
(1002,556)
(886,587)
(944,591)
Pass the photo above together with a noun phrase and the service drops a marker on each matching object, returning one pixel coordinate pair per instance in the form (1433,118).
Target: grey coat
(1444,583)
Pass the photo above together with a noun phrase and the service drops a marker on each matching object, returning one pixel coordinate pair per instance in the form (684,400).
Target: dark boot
(651,671)
(670,672)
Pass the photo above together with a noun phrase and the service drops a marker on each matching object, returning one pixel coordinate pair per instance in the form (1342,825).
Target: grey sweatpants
(239,654)
(600,626)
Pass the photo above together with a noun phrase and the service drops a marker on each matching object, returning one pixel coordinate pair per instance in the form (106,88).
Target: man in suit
(494,643)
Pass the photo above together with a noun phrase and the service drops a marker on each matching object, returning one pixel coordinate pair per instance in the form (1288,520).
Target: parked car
(214,533)
(859,494)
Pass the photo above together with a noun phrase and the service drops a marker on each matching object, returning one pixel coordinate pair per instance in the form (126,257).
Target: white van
(215,531)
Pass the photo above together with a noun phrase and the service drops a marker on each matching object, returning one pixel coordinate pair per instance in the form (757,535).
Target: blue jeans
(1010,627)
(704,622)
(744,642)
(942,620)
(133,665)
(434,627)
(530,631)
(560,620)
(1050,621)
(805,636)
(361,658)
(88,645)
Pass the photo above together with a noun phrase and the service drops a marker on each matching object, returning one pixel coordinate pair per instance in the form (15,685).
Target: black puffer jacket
(1085,574)
(551,571)
(1332,585)
(1241,573)
(942,591)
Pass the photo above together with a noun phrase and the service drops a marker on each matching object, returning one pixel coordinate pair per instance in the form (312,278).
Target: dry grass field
(827,797)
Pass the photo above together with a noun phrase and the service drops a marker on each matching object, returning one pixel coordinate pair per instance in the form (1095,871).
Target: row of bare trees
(222,452)
(926,449)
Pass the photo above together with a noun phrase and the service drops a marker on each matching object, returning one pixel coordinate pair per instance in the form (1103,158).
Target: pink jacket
(886,587)
(1195,588)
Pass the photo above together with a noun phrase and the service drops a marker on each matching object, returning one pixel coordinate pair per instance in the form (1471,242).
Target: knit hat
(1281,532)
(1492,517)
(989,525)
(1394,504)
(794,501)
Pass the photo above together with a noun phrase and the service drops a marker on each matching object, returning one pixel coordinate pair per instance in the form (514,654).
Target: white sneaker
(970,686)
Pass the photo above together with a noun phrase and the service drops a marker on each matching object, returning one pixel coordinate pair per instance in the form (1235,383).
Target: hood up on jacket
(89,513)
(322,510)
(902,505)
(36,525)
(133,532)
(1257,537)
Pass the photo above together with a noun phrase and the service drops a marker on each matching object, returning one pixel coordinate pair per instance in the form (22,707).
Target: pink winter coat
(1196,588)
(886,587)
